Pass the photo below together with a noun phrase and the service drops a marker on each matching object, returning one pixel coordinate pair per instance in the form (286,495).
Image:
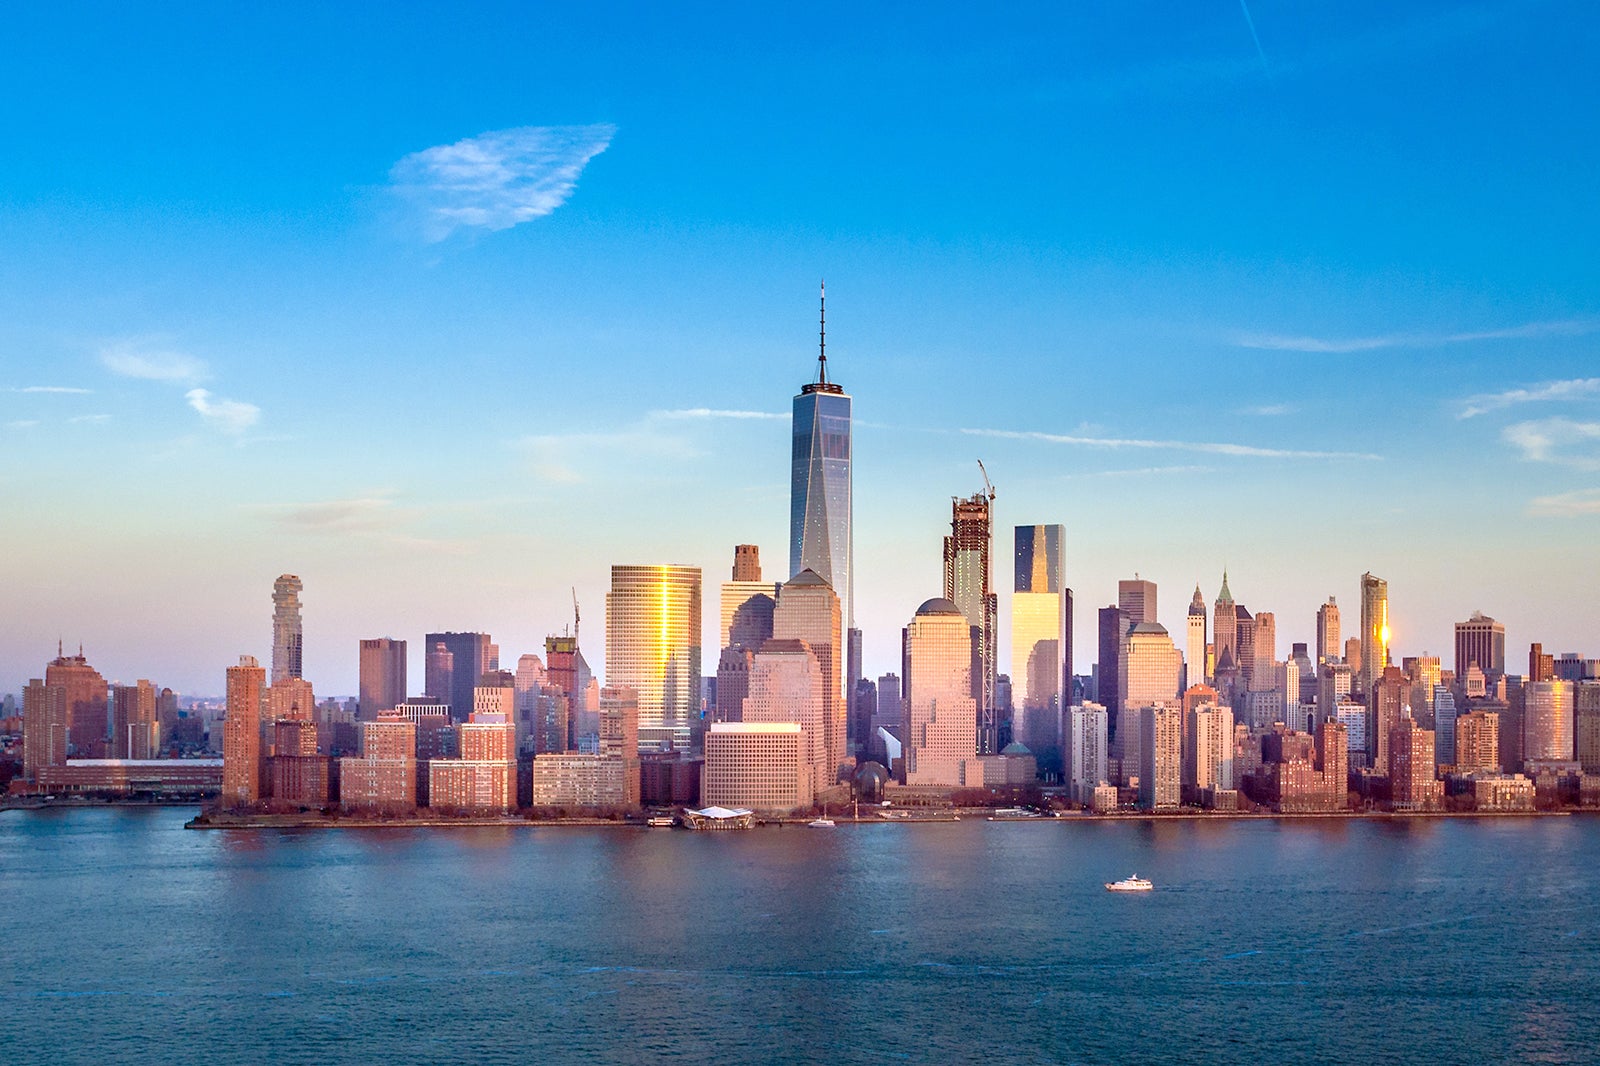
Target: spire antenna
(822,333)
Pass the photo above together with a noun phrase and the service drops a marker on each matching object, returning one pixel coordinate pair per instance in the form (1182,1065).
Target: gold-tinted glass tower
(653,647)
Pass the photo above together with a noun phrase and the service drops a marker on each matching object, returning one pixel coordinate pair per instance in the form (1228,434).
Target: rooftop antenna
(822,334)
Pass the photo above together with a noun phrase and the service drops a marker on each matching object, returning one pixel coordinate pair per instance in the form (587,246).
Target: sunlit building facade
(241,734)
(1038,635)
(382,676)
(941,730)
(1374,633)
(653,647)
(809,611)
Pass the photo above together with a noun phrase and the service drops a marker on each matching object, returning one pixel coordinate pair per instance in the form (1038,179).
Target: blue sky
(438,307)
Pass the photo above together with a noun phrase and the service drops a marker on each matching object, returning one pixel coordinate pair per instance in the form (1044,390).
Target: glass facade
(819,491)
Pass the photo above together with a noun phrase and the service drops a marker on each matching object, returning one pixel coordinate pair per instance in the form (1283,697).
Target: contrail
(1259,51)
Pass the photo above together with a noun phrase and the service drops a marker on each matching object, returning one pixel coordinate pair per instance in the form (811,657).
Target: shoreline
(208,820)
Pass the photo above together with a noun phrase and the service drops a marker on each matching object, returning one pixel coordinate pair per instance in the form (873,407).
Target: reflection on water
(1305,940)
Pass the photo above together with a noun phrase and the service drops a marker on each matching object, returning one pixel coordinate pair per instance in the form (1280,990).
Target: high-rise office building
(1548,721)
(1444,726)
(787,685)
(1038,636)
(241,734)
(1263,676)
(1137,598)
(1541,666)
(757,765)
(438,668)
(1199,670)
(1374,632)
(1224,626)
(1481,641)
(287,642)
(1151,667)
(44,727)
(967,584)
(747,602)
(619,736)
(1150,671)
(1328,632)
(382,676)
(808,610)
(1112,628)
(471,655)
(820,485)
(86,702)
(941,732)
(653,627)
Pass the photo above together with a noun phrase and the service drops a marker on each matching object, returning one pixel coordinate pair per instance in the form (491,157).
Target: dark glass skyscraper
(819,486)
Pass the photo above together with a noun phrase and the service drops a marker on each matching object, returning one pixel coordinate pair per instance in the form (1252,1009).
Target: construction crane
(574,615)
(987,484)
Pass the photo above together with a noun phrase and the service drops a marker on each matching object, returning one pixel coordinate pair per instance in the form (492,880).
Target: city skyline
(251,324)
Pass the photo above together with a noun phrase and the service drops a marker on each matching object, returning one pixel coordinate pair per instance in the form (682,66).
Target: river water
(129,939)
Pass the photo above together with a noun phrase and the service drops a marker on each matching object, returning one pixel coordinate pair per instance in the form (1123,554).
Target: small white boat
(1130,884)
(660,821)
(820,823)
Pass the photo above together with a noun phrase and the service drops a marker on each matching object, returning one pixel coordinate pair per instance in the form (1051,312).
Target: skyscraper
(787,685)
(1137,598)
(808,610)
(1224,627)
(383,676)
(1481,640)
(1547,721)
(653,647)
(747,602)
(1199,669)
(287,642)
(1263,676)
(86,702)
(1374,632)
(1328,647)
(819,484)
(135,728)
(241,734)
(44,727)
(941,728)
(471,655)
(967,584)
(1038,637)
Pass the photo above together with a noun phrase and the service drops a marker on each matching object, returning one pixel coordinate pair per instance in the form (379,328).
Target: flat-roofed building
(1547,721)
(1478,742)
(134,777)
(573,780)
(1412,781)
(384,779)
(759,765)
(44,727)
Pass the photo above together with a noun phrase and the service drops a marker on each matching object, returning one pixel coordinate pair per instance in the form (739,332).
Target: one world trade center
(819,486)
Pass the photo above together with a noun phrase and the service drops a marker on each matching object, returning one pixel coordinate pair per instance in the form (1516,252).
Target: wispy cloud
(1550,440)
(134,361)
(1143,471)
(23,423)
(1205,447)
(497,179)
(65,390)
(79,420)
(1573,389)
(1279,342)
(230,416)
(1566,504)
(356,513)
(372,515)
(1271,410)
(709,412)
